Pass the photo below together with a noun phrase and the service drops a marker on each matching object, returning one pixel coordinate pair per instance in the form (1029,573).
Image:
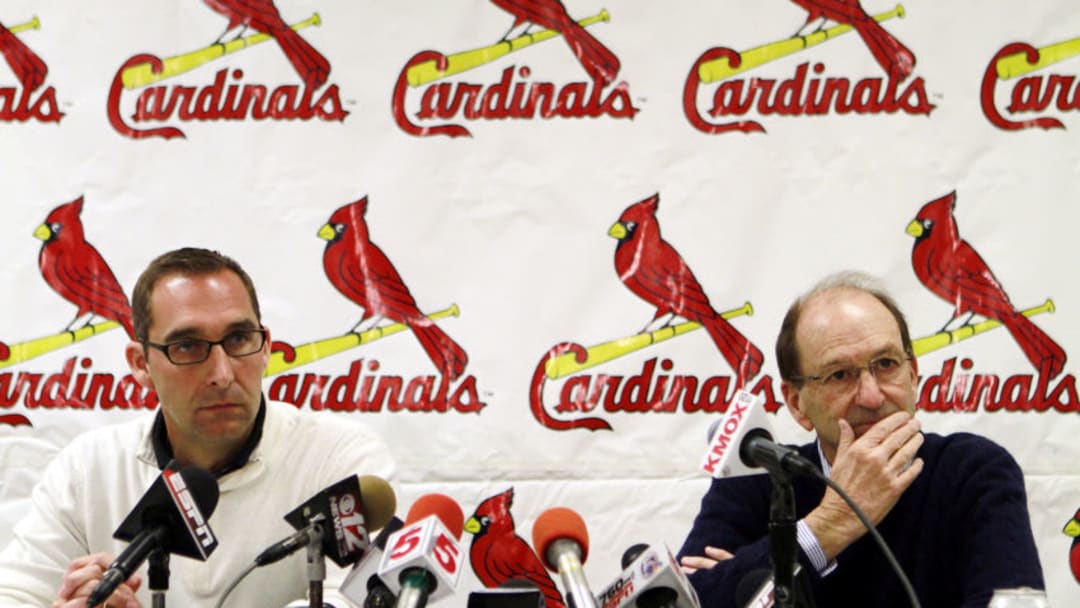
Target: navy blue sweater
(959,532)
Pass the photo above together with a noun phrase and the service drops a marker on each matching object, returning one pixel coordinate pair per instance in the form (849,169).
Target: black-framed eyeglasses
(886,369)
(189,351)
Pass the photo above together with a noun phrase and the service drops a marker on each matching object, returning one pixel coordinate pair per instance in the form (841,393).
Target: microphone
(424,559)
(350,508)
(172,517)
(651,578)
(514,593)
(742,443)
(562,543)
(362,585)
(757,588)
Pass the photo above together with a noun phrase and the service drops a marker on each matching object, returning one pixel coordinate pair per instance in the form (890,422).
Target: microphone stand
(159,576)
(782,538)
(316,565)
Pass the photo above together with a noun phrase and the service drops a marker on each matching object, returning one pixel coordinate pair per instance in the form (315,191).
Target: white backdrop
(510,224)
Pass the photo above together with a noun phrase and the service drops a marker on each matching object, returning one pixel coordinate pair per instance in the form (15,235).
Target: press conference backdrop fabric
(767,152)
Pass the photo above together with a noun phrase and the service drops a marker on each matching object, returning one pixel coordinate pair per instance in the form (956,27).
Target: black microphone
(172,517)
(378,594)
(756,590)
(514,593)
(758,449)
(363,585)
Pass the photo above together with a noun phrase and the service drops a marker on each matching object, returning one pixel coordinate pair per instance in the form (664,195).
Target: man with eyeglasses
(952,508)
(203,349)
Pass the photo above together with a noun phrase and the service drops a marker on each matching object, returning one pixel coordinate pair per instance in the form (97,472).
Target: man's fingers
(885,427)
(902,457)
(717,553)
(847,435)
(692,563)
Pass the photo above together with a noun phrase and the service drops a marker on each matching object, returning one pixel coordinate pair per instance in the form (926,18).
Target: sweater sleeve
(998,546)
(44,541)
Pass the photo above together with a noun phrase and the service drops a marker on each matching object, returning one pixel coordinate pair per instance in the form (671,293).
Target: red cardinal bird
(499,555)
(600,63)
(1072,528)
(948,266)
(75,269)
(895,58)
(28,67)
(652,269)
(262,16)
(363,273)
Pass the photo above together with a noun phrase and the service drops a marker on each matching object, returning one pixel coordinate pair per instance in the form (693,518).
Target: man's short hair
(787,348)
(191,261)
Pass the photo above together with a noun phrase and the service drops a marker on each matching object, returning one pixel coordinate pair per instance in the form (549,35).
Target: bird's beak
(472,526)
(915,228)
(617,230)
(327,232)
(1072,528)
(43,232)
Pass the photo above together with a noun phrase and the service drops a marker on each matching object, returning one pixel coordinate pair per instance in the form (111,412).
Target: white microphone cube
(427,545)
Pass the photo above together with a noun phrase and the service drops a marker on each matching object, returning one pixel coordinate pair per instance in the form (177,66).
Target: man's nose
(220,371)
(868,391)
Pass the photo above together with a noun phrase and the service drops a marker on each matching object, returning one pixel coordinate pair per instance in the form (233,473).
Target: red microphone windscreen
(441,506)
(556,523)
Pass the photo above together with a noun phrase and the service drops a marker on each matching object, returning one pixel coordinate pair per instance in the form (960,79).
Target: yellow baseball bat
(1012,66)
(720,68)
(567,364)
(320,349)
(428,71)
(24,351)
(142,74)
(942,339)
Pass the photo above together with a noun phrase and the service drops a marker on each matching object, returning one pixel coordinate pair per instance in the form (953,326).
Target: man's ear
(793,400)
(136,356)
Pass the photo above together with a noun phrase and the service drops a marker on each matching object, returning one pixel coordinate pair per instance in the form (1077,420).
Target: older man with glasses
(202,348)
(952,508)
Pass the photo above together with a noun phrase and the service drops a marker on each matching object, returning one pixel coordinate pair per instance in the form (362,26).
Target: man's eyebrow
(890,350)
(192,332)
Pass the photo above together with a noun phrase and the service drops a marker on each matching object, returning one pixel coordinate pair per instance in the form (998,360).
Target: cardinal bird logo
(599,62)
(76,270)
(1072,529)
(25,63)
(895,58)
(263,16)
(653,270)
(363,273)
(948,266)
(499,555)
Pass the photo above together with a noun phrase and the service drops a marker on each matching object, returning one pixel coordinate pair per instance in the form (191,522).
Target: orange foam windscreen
(557,523)
(441,506)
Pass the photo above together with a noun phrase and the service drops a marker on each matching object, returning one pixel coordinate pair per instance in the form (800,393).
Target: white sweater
(95,481)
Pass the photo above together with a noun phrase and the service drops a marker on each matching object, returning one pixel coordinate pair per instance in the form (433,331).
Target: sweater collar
(163,452)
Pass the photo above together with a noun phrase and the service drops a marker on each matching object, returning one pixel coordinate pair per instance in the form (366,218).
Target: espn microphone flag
(745,413)
(182,501)
(171,517)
